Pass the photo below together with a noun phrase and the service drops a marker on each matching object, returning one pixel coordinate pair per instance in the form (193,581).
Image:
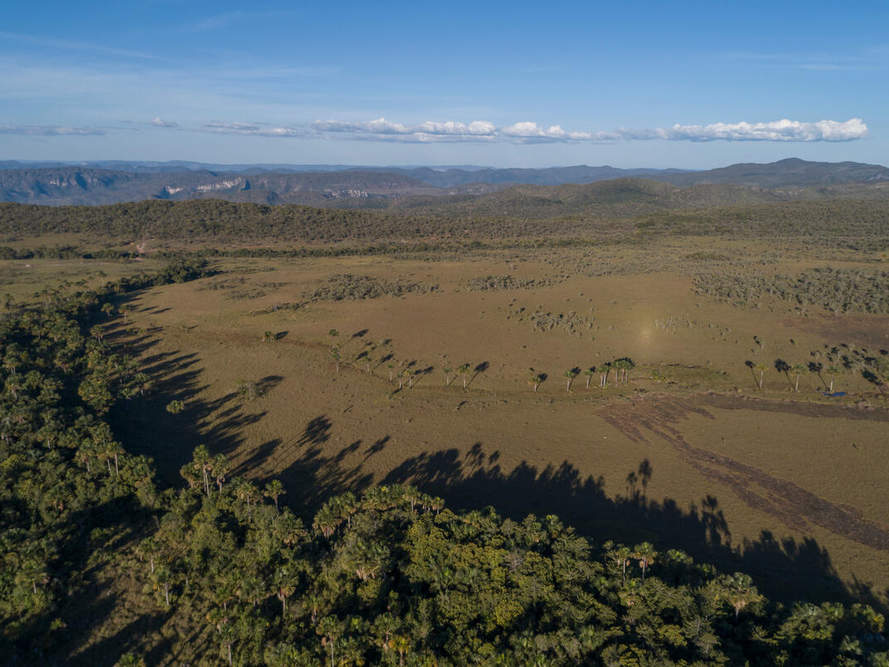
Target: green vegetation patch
(488,283)
(573,323)
(836,290)
(348,286)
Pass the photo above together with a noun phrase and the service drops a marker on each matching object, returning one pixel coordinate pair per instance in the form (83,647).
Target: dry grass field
(689,452)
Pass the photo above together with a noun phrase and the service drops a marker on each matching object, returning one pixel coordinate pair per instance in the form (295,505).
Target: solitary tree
(336,356)
(463,370)
(535,379)
(570,374)
(446,369)
(752,366)
(816,367)
(783,367)
(798,370)
(832,371)
(761,369)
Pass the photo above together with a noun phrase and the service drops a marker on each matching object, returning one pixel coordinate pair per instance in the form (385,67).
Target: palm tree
(201,462)
(463,370)
(645,554)
(535,379)
(274,489)
(749,364)
(619,556)
(406,375)
(798,370)
(738,590)
(815,367)
(624,365)
(832,371)
(219,468)
(783,367)
(284,588)
(589,372)
(604,370)
(570,374)
(761,367)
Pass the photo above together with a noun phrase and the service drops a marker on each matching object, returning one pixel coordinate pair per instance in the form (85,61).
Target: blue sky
(632,84)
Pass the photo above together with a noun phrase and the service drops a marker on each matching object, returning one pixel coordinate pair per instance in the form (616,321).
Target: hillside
(88,186)
(624,197)
(784,173)
(380,187)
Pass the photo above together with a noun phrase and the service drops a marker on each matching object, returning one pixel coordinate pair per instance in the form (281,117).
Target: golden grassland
(690,453)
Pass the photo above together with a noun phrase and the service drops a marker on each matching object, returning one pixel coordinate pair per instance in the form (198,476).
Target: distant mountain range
(416,188)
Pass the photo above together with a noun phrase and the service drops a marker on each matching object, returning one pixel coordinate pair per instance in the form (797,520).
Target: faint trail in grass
(795,506)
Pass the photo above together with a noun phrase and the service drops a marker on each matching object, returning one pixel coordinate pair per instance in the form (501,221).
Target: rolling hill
(464,189)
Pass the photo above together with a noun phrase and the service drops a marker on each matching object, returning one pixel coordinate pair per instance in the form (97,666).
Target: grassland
(779,480)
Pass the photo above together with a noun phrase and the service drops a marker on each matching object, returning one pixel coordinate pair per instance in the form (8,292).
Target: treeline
(62,252)
(392,577)
(845,223)
(62,473)
(216,219)
(848,223)
(414,248)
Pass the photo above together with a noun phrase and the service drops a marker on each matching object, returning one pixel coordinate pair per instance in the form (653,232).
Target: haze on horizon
(500,85)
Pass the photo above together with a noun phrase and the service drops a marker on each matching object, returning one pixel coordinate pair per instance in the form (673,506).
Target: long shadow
(311,476)
(147,427)
(785,569)
(87,602)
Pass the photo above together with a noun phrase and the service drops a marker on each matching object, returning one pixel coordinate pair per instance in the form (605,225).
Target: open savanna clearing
(689,452)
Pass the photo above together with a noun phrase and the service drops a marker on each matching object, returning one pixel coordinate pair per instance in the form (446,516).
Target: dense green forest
(391,577)
(824,221)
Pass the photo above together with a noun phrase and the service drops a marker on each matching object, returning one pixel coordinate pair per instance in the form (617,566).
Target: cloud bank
(253,129)
(50,130)
(157,121)
(480,131)
(784,130)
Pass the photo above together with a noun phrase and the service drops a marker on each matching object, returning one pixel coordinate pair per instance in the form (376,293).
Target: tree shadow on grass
(90,600)
(146,426)
(785,569)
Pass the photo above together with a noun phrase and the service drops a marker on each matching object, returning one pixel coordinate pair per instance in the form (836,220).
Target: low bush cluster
(348,286)
(836,290)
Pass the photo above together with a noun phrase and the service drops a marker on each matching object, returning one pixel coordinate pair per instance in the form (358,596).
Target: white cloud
(381,129)
(254,129)
(157,121)
(778,130)
(479,131)
(50,130)
(530,132)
